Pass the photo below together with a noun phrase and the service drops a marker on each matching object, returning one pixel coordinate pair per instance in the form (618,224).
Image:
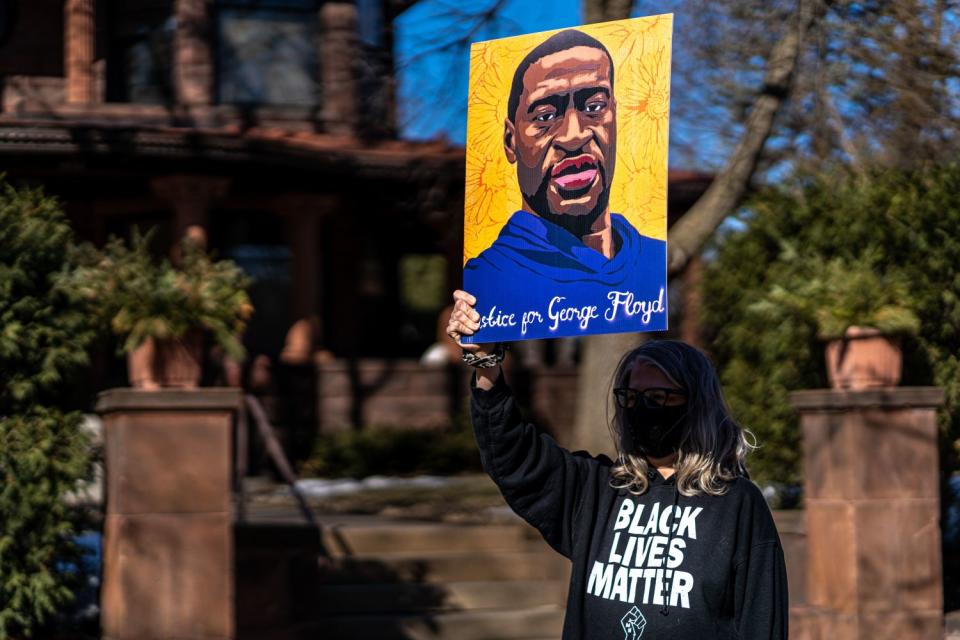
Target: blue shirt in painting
(538,280)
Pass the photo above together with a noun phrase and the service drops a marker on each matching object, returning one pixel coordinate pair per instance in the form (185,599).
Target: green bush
(358,454)
(904,226)
(838,294)
(43,453)
(43,329)
(44,334)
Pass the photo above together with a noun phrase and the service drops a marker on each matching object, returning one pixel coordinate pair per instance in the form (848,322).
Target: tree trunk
(600,354)
(598,359)
(604,10)
(692,231)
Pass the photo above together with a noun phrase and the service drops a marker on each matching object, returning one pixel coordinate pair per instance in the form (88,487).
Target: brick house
(269,125)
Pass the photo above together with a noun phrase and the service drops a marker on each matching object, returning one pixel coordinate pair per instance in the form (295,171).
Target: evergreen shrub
(44,334)
(901,228)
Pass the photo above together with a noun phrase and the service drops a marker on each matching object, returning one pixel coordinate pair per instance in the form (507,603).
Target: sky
(433,55)
(433,83)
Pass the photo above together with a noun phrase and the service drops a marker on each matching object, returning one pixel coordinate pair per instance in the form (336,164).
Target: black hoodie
(658,565)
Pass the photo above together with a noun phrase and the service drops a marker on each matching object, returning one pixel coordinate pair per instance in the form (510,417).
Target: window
(267,52)
(423,282)
(140,51)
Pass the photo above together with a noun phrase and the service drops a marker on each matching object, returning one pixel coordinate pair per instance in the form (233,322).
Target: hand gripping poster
(566,188)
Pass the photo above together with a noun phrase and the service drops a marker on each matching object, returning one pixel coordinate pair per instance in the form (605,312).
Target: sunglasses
(652,397)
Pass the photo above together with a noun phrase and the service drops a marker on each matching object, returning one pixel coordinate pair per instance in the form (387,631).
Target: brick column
(191,198)
(872,514)
(338,54)
(168,533)
(192,53)
(303,214)
(78,50)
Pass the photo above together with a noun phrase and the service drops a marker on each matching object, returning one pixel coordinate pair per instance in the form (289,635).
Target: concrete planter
(173,363)
(864,359)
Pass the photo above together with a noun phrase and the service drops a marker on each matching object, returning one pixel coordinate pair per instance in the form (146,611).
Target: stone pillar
(192,53)
(191,198)
(168,534)
(338,55)
(303,214)
(79,40)
(872,514)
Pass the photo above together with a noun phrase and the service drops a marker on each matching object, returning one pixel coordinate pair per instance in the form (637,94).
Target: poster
(565,216)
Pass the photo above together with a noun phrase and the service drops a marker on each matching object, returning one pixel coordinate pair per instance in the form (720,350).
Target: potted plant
(860,311)
(161,311)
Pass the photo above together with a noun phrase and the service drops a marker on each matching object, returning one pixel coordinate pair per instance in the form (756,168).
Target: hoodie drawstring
(666,554)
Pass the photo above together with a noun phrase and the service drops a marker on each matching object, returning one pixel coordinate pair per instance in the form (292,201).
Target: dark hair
(714,448)
(557,42)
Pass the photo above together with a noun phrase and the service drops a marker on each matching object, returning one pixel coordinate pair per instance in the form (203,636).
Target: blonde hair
(713,448)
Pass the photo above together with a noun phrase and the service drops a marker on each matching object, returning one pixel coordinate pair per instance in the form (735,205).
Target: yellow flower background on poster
(640,49)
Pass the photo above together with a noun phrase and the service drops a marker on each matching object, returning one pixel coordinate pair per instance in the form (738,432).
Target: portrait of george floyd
(566,185)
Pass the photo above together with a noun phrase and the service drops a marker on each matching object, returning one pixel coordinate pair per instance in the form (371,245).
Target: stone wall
(391,394)
(403,394)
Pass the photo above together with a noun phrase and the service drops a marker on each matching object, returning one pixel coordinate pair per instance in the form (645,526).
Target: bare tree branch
(693,230)
(602,352)
(464,23)
(835,120)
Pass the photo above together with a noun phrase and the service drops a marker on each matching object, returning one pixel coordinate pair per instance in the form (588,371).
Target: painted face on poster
(570,259)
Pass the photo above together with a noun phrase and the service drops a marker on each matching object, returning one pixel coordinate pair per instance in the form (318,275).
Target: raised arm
(542,482)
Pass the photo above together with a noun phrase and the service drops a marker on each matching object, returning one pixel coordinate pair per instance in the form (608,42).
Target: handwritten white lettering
(497,319)
(627,302)
(528,318)
(581,315)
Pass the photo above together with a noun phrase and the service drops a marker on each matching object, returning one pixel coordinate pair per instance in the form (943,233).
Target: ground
(463,499)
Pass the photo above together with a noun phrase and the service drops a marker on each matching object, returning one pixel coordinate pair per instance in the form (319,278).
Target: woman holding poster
(671,540)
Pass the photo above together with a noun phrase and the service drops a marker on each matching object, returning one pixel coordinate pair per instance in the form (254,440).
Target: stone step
(345,539)
(377,578)
(445,567)
(521,624)
(360,540)
(453,596)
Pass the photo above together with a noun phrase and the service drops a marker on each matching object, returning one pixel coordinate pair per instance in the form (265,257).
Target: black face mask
(656,431)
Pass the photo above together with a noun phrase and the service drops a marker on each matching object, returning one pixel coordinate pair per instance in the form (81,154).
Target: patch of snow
(330,488)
